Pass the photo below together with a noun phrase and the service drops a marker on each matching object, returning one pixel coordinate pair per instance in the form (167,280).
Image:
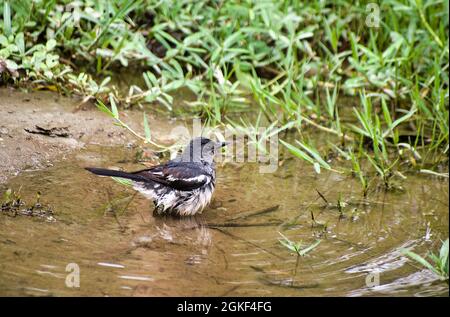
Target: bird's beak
(222,144)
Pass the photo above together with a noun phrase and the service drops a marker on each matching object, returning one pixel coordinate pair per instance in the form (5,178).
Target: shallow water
(134,253)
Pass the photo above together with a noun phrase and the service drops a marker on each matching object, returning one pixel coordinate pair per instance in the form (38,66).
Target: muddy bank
(37,128)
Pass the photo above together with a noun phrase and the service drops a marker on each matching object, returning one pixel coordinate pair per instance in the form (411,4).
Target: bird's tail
(114,173)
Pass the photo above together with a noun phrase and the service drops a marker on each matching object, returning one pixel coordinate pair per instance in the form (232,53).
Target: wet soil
(40,127)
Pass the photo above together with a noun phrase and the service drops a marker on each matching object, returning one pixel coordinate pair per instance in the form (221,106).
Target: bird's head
(202,149)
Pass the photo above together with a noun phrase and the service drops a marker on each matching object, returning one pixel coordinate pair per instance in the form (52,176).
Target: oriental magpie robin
(182,186)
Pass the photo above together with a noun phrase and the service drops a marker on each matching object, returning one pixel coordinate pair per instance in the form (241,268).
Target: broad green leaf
(50,44)
(7,18)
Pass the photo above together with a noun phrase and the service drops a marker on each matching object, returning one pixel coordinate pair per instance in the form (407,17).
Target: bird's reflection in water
(190,232)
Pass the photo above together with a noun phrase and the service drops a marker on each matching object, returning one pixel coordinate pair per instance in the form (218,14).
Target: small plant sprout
(297,248)
(341,206)
(439,262)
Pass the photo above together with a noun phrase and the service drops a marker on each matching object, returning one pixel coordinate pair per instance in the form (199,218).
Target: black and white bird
(183,186)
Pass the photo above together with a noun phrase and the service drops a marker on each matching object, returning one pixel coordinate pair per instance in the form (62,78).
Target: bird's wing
(180,176)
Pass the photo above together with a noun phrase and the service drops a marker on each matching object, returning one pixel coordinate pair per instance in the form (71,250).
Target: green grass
(298,248)
(292,61)
(439,262)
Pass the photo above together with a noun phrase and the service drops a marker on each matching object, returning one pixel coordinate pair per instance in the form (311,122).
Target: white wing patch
(197,179)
